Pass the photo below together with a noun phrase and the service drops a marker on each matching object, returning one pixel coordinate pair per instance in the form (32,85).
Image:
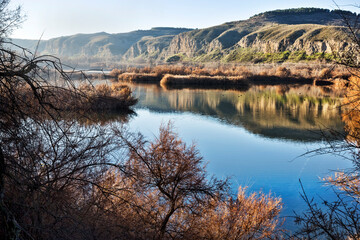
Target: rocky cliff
(309,30)
(301,32)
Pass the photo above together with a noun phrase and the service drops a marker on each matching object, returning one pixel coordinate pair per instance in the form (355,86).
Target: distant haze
(66,17)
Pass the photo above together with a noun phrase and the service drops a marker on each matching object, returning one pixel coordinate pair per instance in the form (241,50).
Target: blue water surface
(248,145)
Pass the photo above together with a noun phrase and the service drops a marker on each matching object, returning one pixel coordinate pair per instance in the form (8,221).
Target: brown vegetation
(246,217)
(104,96)
(351,115)
(267,74)
(115,73)
(188,80)
(339,219)
(140,77)
(63,180)
(82,103)
(163,192)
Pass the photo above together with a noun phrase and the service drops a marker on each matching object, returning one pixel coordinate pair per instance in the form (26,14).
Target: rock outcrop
(309,30)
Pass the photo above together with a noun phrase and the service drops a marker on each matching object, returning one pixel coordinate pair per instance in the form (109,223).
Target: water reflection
(238,133)
(281,112)
(100,117)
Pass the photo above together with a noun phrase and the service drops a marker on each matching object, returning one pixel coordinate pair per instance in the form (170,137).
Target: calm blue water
(255,137)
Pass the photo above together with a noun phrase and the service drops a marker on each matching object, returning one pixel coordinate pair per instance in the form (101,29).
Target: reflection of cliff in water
(272,111)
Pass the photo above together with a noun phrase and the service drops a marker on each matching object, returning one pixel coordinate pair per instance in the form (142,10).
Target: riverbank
(235,76)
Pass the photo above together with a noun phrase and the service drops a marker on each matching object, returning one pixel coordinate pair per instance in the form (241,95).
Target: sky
(47,19)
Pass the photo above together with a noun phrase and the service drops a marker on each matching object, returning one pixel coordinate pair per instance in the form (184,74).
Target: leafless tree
(171,176)
(48,163)
(61,179)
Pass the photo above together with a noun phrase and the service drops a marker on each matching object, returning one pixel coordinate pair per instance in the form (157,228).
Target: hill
(280,35)
(306,30)
(97,45)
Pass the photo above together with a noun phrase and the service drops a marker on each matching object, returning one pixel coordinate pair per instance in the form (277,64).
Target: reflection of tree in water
(101,117)
(271,111)
(294,111)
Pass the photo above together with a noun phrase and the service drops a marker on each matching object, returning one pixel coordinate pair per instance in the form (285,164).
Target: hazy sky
(54,18)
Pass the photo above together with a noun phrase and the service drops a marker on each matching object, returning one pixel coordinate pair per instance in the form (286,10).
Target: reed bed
(107,97)
(140,77)
(199,80)
(234,75)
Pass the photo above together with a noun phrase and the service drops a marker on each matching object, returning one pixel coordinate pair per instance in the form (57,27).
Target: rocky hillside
(99,45)
(280,35)
(309,31)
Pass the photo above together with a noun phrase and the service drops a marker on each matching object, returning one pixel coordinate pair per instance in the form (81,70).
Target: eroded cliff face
(228,39)
(310,47)
(309,30)
(148,47)
(305,37)
(270,38)
(184,43)
(306,29)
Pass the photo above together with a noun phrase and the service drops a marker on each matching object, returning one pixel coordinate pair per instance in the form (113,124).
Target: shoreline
(236,76)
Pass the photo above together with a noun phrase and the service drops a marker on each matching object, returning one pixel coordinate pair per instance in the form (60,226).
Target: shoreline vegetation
(116,96)
(85,100)
(234,76)
(60,179)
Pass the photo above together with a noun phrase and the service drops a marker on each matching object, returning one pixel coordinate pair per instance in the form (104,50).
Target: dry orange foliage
(296,71)
(349,183)
(351,114)
(251,216)
(164,193)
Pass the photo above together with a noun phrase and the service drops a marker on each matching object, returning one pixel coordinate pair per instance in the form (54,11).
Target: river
(257,137)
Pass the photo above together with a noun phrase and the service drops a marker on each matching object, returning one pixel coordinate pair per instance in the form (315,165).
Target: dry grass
(283,72)
(169,80)
(251,216)
(228,75)
(140,77)
(105,97)
(115,73)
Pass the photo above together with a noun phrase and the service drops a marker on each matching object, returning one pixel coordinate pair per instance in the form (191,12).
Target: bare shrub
(169,80)
(246,217)
(282,72)
(115,72)
(168,177)
(325,73)
(164,193)
(140,77)
(62,180)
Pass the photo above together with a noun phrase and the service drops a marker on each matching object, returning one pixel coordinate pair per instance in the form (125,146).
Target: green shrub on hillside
(172,59)
(248,55)
(214,55)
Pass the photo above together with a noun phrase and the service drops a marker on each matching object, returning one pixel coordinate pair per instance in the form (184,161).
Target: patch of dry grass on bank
(105,97)
(224,75)
(169,80)
(140,77)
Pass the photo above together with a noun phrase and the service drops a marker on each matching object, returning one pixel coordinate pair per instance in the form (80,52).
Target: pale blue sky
(54,18)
